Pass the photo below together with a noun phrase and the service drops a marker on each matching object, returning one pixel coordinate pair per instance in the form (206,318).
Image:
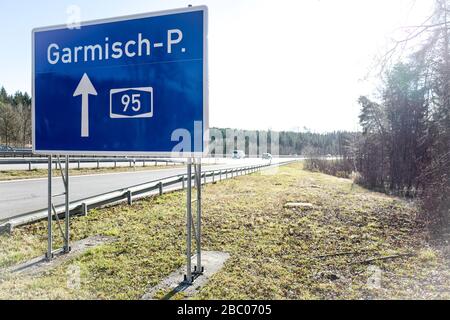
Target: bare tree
(8,124)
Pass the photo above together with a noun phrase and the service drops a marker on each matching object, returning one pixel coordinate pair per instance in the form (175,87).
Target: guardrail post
(160,188)
(143,164)
(29,166)
(129,197)
(84,209)
(213,176)
(220,175)
(115,164)
(78,164)
(204,178)
(98,164)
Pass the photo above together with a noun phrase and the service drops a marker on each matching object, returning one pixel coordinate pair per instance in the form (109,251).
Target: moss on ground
(276,253)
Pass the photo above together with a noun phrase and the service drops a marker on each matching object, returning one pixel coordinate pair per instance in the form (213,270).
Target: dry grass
(275,252)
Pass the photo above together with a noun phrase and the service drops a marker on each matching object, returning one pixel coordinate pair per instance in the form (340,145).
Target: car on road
(267,156)
(238,154)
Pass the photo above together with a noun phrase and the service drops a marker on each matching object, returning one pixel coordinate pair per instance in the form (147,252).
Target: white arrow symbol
(84,89)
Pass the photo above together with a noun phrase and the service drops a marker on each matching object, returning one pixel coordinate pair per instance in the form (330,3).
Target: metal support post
(198,268)
(67,215)
(49,254)
(188,277)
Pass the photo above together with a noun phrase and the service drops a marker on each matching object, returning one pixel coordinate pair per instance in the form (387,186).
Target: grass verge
(276,253)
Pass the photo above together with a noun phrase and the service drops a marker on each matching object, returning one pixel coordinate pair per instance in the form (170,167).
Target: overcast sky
(285,64)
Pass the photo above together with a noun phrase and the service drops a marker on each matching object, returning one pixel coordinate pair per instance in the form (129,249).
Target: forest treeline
(15,131)
(256,142)
(404,147)
(15,119)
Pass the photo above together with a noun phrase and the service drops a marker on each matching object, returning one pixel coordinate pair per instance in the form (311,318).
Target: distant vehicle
(238,154)
(267,156)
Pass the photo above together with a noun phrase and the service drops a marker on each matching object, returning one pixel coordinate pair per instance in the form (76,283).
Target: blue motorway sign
(130,85)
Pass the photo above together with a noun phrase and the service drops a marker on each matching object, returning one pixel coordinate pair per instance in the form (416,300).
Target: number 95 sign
(131,103)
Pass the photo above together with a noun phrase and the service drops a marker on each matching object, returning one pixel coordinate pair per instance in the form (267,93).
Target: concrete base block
(38,265)
(212,261)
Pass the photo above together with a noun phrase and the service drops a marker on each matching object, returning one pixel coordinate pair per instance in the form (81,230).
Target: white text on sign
(138,47)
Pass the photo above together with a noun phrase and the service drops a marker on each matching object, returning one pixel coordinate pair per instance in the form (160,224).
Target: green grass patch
(276,253)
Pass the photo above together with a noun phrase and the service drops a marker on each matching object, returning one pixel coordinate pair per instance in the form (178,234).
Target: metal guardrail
(81,207)
(20,153)
(98,161)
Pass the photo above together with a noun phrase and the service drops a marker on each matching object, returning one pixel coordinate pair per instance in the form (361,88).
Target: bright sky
(284,64)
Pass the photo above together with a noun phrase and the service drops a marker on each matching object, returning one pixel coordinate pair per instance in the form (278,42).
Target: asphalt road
(24,196)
